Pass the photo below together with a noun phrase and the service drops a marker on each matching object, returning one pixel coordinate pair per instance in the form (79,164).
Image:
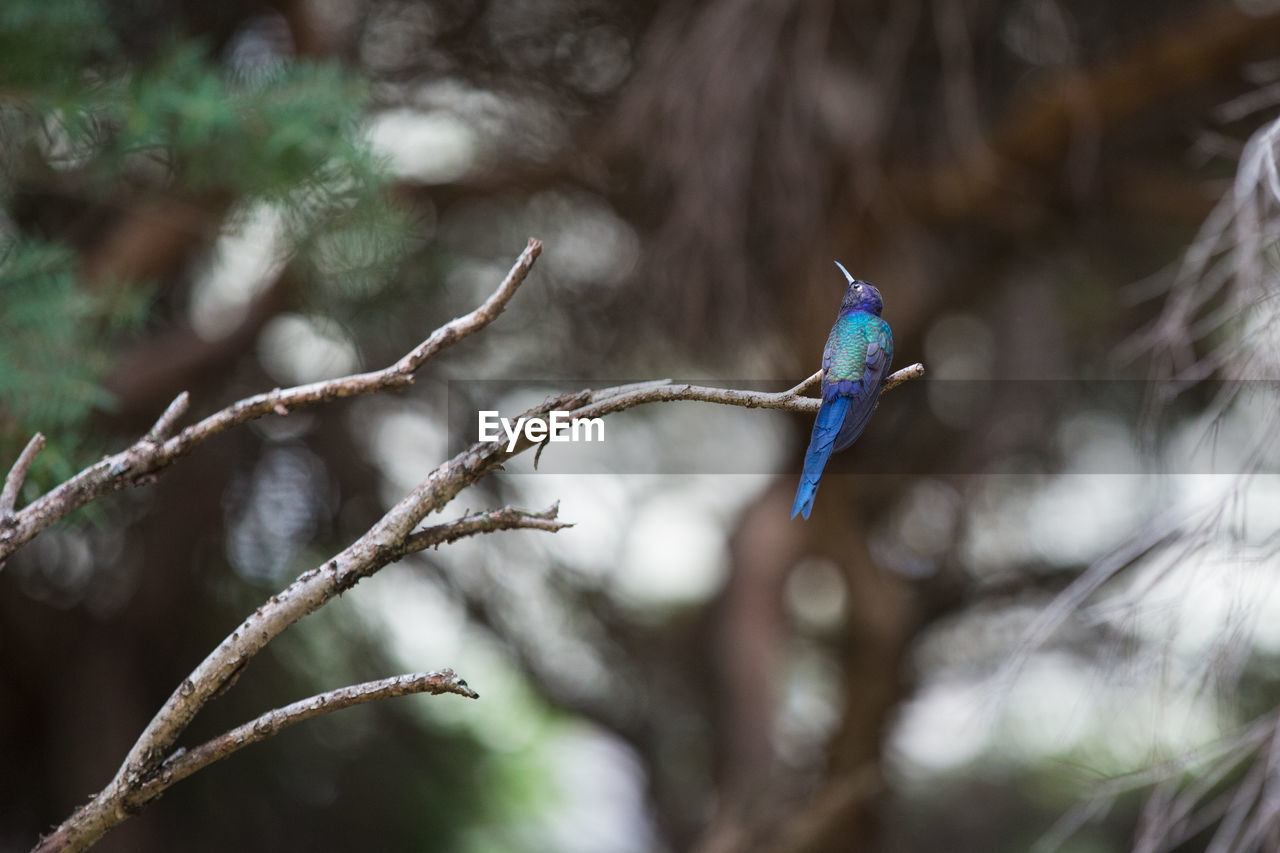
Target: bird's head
(861,295)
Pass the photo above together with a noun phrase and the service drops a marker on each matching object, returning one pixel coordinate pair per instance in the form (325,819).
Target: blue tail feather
(826,427)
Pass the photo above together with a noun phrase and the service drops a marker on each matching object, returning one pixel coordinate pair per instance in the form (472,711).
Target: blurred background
(1036,605)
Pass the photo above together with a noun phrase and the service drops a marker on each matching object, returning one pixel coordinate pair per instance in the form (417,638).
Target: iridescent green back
(845,356)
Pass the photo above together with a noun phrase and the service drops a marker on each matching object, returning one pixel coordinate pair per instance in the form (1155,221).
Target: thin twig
(468,324)
(164,426)
(507,518)
(808,383)
(13,482)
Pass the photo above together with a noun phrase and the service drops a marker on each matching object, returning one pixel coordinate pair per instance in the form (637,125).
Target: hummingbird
(855,363)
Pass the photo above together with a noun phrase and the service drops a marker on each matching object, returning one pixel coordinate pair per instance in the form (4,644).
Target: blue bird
(855,363)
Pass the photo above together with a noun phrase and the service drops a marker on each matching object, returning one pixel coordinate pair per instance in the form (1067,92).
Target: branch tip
(451,682)
(906,374)
(165,424)
(537,454)
(17,476)
(806,384)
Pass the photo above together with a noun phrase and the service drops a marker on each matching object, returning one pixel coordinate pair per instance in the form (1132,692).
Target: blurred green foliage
(46,46)
(94,124)
(266,138)
(53,348)
(81,118)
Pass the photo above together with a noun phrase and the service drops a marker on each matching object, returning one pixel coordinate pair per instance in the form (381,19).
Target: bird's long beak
(845,271)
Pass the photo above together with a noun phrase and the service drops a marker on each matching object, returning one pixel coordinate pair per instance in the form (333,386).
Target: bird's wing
(866,391)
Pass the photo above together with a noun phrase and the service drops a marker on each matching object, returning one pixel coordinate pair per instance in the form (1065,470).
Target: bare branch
(14,479)
(507,518)
(147,456)
(390,539)
(608,400)
(808,383)
(906,374)
(183,763)
(146,771)
(163,427)
(468,324)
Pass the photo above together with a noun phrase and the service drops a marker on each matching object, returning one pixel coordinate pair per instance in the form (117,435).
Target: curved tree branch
(148,455)
(185,762)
